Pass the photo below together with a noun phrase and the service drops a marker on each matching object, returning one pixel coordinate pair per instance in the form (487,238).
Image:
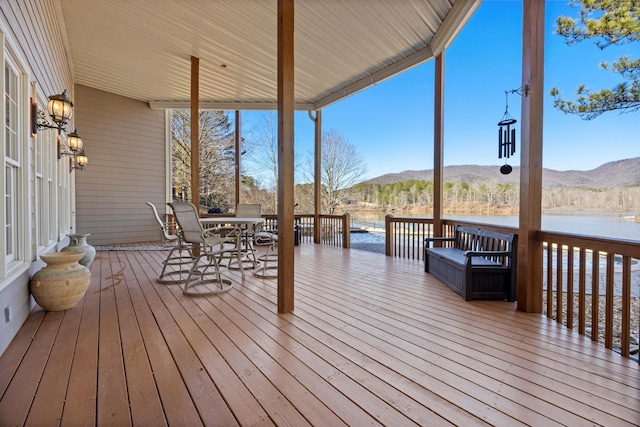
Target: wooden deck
(373,340)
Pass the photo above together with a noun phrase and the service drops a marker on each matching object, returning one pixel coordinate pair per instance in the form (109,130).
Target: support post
(346,230)
(317,175)
(529,247)
(195,134)
(238,140)
(438,145)
(285,155)
(388,235)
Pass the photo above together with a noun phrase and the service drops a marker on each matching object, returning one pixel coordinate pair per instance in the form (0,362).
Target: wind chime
(506,136)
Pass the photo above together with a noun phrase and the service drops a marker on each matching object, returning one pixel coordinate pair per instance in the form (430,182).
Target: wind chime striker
(506,137)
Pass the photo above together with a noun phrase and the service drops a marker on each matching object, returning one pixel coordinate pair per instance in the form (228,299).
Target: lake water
(603,224)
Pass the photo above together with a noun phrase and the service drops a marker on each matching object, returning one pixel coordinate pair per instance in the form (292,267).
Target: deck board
(17,399)
(19,346)
(83,380)
(178,406)
(112,390)
(468,352)
(183,338)
(146,407)
(373,340)
(51,393)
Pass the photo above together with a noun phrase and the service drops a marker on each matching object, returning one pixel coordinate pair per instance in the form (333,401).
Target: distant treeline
(401,195)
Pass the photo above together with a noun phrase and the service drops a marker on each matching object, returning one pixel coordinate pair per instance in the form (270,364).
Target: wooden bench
(476,263)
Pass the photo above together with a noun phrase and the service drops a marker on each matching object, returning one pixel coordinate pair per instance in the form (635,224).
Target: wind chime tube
(513,141)
(506,142)
(500,142)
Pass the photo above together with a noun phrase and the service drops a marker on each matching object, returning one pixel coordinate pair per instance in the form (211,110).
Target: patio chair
(212,245)
(249,210)
(175,267)
(269,260)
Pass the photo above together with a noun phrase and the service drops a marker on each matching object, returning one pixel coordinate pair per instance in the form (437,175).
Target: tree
(610,22)
(303,194)
(341,168)
(217,178)
(263,154)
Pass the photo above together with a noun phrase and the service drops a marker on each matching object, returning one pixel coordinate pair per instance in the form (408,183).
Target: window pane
(11,110)
(9,213)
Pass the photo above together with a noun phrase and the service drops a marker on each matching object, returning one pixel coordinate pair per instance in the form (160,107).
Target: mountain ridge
(619,173)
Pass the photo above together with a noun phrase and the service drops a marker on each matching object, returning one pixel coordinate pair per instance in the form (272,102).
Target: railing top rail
(340,216)
(415,220)
(604,244)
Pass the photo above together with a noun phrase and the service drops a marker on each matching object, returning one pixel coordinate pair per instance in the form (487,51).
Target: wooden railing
(334,229)
(605,274)
(404,237)
(588,281)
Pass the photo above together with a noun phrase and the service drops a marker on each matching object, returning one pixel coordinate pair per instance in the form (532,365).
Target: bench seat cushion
(458,256)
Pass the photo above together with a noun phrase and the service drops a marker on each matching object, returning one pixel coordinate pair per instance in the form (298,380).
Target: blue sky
(391,124)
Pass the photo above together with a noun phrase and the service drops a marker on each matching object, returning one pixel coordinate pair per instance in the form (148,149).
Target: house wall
(35,28)
(125,142)
(32,38)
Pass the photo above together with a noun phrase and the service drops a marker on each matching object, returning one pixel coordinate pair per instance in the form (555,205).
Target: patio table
(243,224)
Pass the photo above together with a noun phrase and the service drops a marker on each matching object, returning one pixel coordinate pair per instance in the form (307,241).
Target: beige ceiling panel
(142,49)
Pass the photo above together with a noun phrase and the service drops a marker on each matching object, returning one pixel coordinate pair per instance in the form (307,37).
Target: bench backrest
(478,239)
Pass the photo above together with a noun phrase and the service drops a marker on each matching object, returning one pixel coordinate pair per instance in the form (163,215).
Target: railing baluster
(595,294)
(626,306)
(550,280)
(582,291)
(559,287)
(608,318)
(570,287)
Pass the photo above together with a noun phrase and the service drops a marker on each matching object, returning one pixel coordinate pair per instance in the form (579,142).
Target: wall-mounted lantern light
(81,160)
(60,109)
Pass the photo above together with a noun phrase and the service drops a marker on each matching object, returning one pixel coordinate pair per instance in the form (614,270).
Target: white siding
(31,32)
(125,143)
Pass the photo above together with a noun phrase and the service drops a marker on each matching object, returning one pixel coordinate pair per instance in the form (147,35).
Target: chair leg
(205,278)
(269,263)
(248,256)
(182,261)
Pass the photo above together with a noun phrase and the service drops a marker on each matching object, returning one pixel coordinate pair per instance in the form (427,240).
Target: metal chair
(212,245)
(249,210)
(180,254)
(269,260)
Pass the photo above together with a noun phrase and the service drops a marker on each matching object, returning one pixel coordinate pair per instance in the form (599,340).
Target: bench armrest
(429,240)
(488,253)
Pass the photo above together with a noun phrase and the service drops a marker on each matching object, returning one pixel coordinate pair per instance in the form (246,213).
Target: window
(15,244)
(42,236)
(11,160)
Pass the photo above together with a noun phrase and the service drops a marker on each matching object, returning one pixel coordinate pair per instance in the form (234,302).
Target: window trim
(22,257)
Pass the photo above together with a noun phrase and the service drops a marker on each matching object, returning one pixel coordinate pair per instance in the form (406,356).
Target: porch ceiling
(142,50)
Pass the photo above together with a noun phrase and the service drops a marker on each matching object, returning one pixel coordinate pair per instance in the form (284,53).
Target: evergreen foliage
(399,195)
(608,22)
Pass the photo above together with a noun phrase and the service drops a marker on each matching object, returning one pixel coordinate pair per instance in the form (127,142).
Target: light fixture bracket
(42,122)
